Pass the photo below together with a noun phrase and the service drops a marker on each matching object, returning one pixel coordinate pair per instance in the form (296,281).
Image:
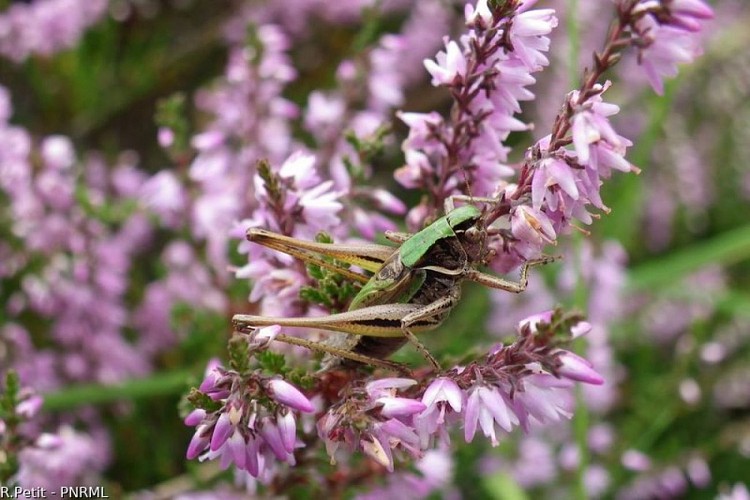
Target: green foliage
(9,440)
(331,290)
(172,114)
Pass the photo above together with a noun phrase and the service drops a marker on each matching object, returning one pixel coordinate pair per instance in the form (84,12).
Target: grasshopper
(412,289)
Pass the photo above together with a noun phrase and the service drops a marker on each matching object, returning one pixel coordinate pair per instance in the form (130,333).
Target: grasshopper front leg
(507,285)
(449,204)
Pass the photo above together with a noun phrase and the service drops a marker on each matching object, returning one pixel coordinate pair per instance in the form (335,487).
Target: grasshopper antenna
(468,184)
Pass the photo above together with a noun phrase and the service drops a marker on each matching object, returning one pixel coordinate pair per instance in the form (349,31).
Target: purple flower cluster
(44,459)
(75,227)
(254,424)
(72,260)
(487,75)
(518,385)
(46,26)
(61,459)
(667,35)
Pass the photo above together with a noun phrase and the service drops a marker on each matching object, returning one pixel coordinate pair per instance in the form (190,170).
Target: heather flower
(57,152)
(374,420)
(542,400)
(668,37)
(528,35)
(46,26)
(635,460)
(288,395)
(250,123)
(443,400)
(698,472)
(254,425)
(305,206)
(487,408)
(29,407)
(576,368)
(61,459)
(450,65)
(597,480)
(165,195)
(738,492)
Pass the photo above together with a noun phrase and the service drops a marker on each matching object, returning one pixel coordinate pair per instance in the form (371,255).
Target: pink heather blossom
(383,392)
(479,14)
(375,420)
(61,459)
(698,472)
(667,48)
(324,113)
(450,65)
(545,399)
(635,460)
(57,152)
(738,492)
(669,38)
(528,34)
(288,395)
(488,78)
(487,408)
(597,480)
(44,27)
(165,195)
(444,401)
(29,407)
(242,432)
(576,368)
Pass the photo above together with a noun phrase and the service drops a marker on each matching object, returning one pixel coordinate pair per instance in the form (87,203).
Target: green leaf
(271,362)
(503,487)
(315,272)
(314,296)
(90,394)
(726,248)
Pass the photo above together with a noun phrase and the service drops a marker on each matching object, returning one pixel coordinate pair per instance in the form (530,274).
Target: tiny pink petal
(287,394)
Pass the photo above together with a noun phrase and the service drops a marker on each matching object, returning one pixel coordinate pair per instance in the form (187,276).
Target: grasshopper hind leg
(342,352)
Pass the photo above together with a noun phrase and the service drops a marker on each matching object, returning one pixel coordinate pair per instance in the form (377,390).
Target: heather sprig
(29,456)
(254,426)
(555,184)
(487,75)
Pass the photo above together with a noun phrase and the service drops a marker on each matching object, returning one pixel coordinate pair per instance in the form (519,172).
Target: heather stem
(602,62)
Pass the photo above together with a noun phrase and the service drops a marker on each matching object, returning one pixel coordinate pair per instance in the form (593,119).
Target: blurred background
(116,255)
